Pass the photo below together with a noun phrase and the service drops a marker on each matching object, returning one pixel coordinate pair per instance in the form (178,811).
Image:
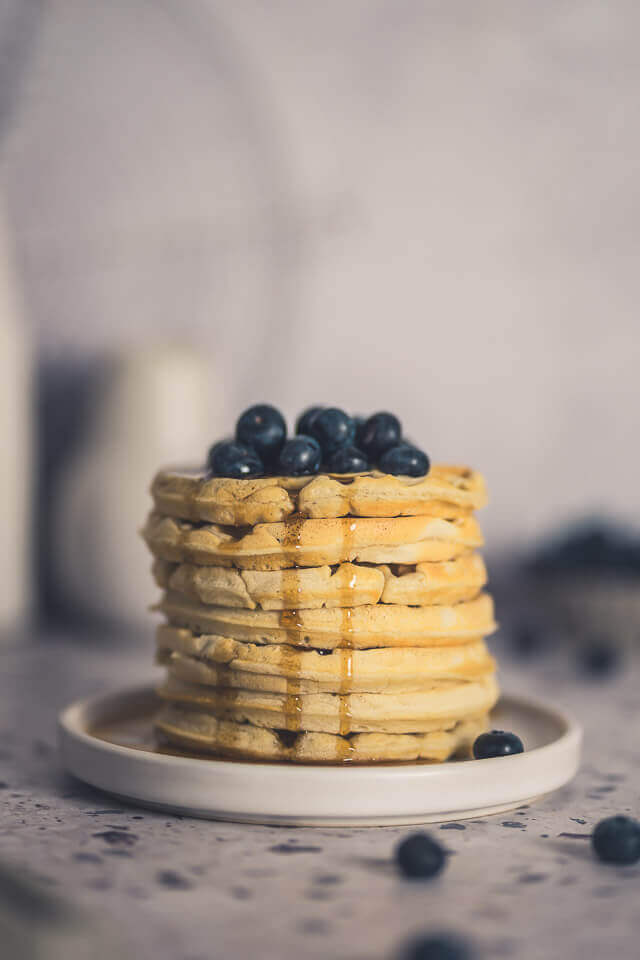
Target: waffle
(281,668)
(322,619)
(189,494)
(202,732)
(375,625)
(346,584)
(312,543)
(414,712)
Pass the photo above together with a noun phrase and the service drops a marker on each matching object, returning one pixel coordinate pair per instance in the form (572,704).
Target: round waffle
(195,730)
(376,625)
(346,585)
(446,491)
(312,543)
(446,702)
(280,668)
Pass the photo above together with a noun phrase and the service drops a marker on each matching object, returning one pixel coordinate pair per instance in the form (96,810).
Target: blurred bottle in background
(162,404)
(15,442)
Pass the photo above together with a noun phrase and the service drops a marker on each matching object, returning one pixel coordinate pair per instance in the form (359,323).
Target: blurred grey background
(418,206)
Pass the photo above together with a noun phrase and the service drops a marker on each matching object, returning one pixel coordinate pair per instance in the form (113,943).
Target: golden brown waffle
(188,494)
(347,584)
(312,543)
(415,712)
(281,668)
(376,625)
(202,732)
(322,619)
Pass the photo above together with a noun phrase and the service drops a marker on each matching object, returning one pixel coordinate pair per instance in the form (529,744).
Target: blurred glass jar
(15,442)
(161,406)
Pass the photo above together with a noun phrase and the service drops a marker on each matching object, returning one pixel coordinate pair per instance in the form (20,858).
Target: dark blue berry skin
(404,461)
(420,856)
(333,428)
(230,459)
(305,420)
(438,946)
(497,743)
(263,428)
(380,432)
(528,640)
(213,449)
(300,456)
(599,659)
(617,840)
(347,460)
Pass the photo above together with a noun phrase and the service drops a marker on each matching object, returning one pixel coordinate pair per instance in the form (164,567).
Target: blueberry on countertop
(263,428)
(497,743)
(230,459)
(529,639)
(404,460)
(419,855)
(305,420)
(617,840)
(347,460)
(599,659)
(380,432)
(333,428)
(438,946)
(300,457)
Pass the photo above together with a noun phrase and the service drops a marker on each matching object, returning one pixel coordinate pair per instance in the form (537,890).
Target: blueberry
(213,450)
(419,855)
(305,420)
(333,429)
(617,840)
(599,659)
(359,422)
(381,432)
(230,459)
(404,460)
(263,428)
(438,946)
(300,456)
(497,743)
(529,640)
(347,460)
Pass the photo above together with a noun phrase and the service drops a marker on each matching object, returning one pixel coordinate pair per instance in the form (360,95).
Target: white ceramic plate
(121,760)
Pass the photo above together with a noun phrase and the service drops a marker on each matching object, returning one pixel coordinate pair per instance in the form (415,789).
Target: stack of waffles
(324,619)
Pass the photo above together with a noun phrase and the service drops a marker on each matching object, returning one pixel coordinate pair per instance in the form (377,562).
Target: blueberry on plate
(305,420)
(497,743)
(437,946)
(347,460)
(333,428)
(419,855)
(379,433)
(263,428)
(230,459)
(404,461)
(300,457)
(617,840)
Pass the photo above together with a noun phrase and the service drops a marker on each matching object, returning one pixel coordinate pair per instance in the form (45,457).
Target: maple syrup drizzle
(345,749)
(291,621)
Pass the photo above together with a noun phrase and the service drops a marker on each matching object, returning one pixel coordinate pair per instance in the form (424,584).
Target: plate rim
(70,726)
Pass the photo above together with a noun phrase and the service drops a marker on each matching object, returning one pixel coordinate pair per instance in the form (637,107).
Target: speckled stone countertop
(519,885)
